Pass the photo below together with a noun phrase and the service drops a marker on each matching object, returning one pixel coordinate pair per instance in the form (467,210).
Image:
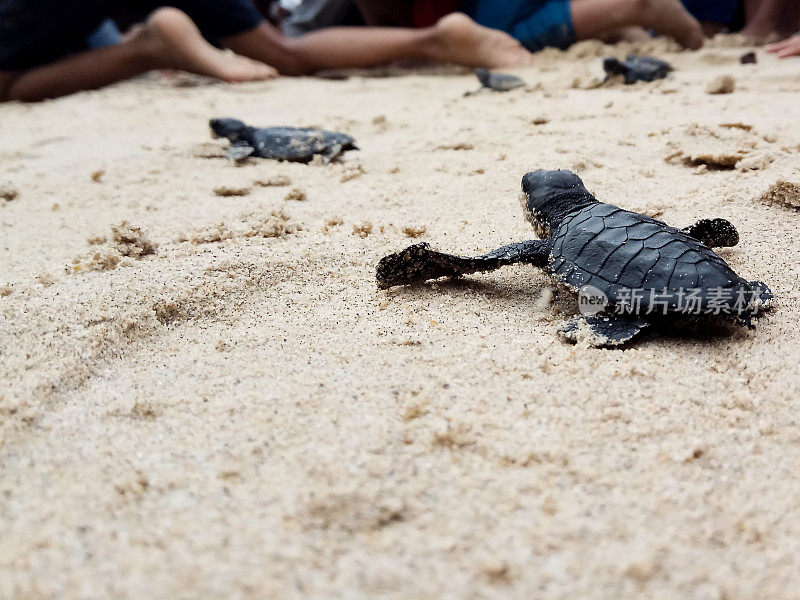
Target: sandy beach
(203,394)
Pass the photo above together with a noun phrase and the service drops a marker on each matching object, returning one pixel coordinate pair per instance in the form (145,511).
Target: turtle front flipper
(331,153)
(714,233)
(603,331)
(238,152)
(419,263)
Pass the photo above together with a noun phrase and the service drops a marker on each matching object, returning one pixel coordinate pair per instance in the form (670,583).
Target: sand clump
(275,224)
(591,82)
(296,195)
(414,232)
(126,242)
(274,181)
(724,84)
(363,229)
(8,192)
(208,150)
(782,193)
(726,147)
(230,192)
(208,234)
(351,172)
(331,223)
(456,146)
(131,241)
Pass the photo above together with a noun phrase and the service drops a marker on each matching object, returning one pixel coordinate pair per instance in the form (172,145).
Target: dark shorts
(536,24)
(38,32)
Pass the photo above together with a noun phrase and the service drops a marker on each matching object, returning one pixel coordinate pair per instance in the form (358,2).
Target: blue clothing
(106,35)
(535,23)
(38,32)
(718,11)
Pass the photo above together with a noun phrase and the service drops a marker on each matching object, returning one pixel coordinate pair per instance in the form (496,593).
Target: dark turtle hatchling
(630,271)
(749,58)
(292,144)
(637,68)
(497,82)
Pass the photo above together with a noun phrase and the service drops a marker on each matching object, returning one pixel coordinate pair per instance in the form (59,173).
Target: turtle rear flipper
(762,292)
(603,331)
(238,152)
(760,298)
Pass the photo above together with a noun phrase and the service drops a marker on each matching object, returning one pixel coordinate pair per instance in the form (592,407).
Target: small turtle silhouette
(637,68)
(496,82)
(749,58)
(634,271)
(292,144)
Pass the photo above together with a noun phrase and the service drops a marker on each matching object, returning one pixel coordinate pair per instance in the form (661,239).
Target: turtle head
(227,128)
(548,196)
(483,76)
(614,66)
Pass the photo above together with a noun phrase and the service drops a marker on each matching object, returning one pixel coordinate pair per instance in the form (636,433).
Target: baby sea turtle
(749,58)
(637,68)
(497,82)
(293,144)
(630,271)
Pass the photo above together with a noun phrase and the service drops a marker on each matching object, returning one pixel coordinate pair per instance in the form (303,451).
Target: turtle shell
(295,144)
(617,251)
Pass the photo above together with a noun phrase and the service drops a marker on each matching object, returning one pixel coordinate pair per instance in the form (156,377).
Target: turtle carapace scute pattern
(293,144)
(634,270)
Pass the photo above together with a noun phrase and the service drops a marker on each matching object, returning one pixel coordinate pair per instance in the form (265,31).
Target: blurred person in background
(51,48)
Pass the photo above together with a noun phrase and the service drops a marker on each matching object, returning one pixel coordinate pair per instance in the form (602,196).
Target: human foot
(669,17)
(458,39)
(786,48)
(175,42)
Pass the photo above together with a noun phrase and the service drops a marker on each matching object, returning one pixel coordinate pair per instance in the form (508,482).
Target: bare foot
(786,48)
(458,39)
(669,17)
(176,43)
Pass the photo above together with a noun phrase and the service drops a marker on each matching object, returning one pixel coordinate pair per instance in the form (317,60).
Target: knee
(292,58)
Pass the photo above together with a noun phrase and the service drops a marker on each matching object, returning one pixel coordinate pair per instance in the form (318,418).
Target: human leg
(593,18)
(169,40)
(455,38)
